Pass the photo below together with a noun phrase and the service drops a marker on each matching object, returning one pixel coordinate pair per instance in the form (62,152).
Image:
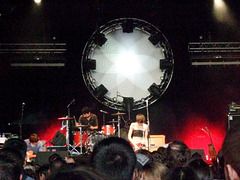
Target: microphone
(23,104)
(105,112)
(72,102)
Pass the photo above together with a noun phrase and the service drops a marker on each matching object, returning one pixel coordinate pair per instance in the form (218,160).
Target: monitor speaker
(233,121)
(59,139)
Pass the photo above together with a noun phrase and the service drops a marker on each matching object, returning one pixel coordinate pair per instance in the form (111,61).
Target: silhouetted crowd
(113,158)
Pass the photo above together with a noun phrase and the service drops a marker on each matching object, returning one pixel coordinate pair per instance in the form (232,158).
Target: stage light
(164,64)
(154,90)
(219,3)
(156,38)
(100,39)
(222,13)
(89,64)
(100,91)
(127,26)
(127,64)
(37,1)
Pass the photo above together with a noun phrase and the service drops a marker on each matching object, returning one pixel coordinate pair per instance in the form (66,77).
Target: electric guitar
(211,147)
(30,155)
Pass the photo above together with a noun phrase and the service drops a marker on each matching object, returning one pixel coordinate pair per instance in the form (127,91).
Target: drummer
(89,119)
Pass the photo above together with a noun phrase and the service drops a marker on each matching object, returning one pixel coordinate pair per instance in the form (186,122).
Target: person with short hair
(138,133)
(182,173)
(33,144)
(20,147)
(88,118)
(155,171)
(11,164)
(114,157)
(178,154)
(231,154)
(76,173)
(201,168)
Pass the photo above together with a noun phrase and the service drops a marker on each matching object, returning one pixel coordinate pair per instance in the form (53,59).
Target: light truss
(34,54)
(214,53)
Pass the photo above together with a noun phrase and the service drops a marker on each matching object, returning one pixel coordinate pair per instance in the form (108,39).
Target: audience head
(114,157)
(142,160)
(159,156)
(10,165)
(76,173)
(30,170)
(231,154)
(42,172)
(182,173)
(218,166)
(54,157)
(55,165)
(83,159)
(178,154)
(18,145)
(154,171)
(201,168)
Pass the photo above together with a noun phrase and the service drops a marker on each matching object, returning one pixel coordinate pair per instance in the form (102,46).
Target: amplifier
(56,148)
(233,109)
(156,141)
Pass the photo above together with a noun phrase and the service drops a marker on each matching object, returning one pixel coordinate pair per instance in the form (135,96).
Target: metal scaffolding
(214,53)
(34,54)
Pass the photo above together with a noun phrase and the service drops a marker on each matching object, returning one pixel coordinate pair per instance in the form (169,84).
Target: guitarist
(138,133)
(33,144)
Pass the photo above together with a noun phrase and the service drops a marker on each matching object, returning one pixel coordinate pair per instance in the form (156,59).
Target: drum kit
(84,139)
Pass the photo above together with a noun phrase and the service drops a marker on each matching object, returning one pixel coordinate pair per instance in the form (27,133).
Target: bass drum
(77,138)
(92,140)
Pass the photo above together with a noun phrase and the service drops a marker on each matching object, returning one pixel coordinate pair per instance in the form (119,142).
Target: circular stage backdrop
(127,64)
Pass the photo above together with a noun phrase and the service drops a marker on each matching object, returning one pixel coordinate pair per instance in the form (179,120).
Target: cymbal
(113,121)
(118,114)
(82,125)
(65,118)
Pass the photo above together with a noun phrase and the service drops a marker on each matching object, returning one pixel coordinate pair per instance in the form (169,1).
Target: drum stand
(81,138)
(118,114)
(70,148)
(119,121)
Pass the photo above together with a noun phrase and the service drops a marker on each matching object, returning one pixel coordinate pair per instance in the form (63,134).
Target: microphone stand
(21,121)
(103,112)
(148,123)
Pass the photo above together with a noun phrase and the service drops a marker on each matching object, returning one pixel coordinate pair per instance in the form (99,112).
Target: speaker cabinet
(59,139)
(233,121)
(42,157)
(156,141)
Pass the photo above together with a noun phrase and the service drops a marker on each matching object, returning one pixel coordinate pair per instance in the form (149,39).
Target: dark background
(197,96)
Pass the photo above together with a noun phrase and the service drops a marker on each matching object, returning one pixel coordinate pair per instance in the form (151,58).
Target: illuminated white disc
(127,63)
